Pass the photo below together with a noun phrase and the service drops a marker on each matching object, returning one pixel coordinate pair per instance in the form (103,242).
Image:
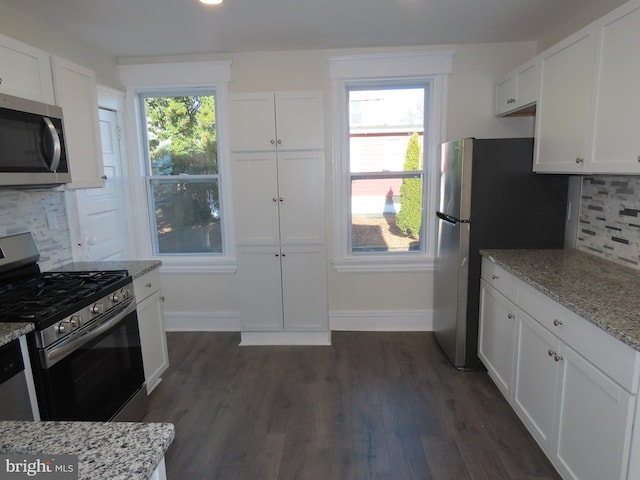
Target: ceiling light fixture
(211,2)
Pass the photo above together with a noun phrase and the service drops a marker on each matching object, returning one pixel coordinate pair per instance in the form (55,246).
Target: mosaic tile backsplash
(43,213)
(610,218)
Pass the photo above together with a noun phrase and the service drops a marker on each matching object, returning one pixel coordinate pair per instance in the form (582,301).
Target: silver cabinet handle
(556,322)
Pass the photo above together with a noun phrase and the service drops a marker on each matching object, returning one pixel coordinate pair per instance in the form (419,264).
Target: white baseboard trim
(353,320)
(382,321)
(284,338)
(202,321)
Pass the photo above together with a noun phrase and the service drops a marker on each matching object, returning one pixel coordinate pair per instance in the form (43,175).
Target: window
(389,127)
(182,170)
(386,168)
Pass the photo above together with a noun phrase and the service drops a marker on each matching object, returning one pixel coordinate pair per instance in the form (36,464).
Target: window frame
(387,71)
(169,79)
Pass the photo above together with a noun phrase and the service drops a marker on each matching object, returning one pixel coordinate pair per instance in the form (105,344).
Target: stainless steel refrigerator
(489,198)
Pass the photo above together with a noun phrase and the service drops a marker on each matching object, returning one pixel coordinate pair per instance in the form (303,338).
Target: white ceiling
(172,27)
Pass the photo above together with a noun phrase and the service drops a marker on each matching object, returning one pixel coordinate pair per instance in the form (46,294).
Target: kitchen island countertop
(106,451)
(598,290)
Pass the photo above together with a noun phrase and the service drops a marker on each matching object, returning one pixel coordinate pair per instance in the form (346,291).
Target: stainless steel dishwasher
(14,395)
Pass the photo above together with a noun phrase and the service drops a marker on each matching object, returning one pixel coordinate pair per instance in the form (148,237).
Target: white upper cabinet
(25,71)
(587,115)
(564,107)
(76,93)
(616,139)
(518,92)
(284,120)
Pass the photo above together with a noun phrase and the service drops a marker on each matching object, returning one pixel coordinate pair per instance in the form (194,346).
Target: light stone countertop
(106,451)
(598,290)
(10,331)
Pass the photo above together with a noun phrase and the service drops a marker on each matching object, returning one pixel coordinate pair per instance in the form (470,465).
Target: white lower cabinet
(594,421)
(497,336)
(153,338)
(287,288)
(535,379)
(582,417)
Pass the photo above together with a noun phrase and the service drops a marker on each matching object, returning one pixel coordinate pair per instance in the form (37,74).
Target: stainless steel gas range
(85,350)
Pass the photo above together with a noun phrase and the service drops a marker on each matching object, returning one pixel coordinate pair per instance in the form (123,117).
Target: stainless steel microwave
(32,143)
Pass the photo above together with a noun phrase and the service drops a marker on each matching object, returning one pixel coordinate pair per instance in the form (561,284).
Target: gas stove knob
(117,297)
(64,327)
(97,308)
(76,321)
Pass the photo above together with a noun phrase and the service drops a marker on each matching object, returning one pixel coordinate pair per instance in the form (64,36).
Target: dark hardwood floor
(371,406)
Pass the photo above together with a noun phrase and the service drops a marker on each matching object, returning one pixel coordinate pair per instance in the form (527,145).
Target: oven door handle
(57,353)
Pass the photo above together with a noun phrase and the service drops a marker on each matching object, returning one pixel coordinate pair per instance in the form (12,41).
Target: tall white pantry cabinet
(277,145)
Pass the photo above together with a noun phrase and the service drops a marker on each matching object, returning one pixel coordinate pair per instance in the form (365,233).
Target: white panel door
(594,423)
(259,289)
(252,123)
(564,106)
(536,378)
(76,92)
(616,141)
(304,289)
(101,212)
(25,71)
(301,197)
(299,121)
(497,339)
(255,189)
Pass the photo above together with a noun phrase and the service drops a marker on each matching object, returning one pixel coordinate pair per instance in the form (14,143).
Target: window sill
(381,264)
(202,265)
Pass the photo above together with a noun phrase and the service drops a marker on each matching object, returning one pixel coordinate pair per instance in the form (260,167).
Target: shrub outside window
(183,178)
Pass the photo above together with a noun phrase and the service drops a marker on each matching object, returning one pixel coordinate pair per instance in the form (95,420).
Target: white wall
(402,297)
(28,30)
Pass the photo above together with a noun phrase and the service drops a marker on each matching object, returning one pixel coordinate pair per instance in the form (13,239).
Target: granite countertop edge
(10,331)
(596,289)
(106,451)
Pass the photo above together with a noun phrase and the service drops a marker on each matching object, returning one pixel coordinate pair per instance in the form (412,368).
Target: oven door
(96,373)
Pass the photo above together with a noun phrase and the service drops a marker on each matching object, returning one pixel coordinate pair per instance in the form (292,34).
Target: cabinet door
(527,83)
(497,337)
(535,379)
(564,107)
(505,95)
(256,198)
(152,339)
(304,288)
(594,422)
(301,197)
(260,289)
(299,121)
(616,143)
(25,71)
(252,124)
(76,93)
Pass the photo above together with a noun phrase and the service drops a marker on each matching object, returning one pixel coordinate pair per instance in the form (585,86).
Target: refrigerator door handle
(450,219)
